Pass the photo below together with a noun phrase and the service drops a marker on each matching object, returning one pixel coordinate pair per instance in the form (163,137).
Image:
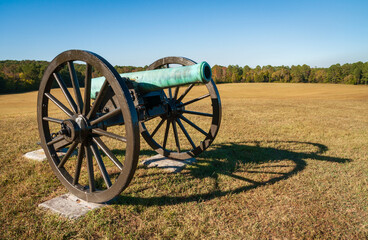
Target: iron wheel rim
(88,143)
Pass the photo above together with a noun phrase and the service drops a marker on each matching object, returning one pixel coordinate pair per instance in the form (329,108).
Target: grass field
(290,162)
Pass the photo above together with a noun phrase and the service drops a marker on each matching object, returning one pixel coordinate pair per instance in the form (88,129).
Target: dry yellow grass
(290,161)
(26,102)
(294,91)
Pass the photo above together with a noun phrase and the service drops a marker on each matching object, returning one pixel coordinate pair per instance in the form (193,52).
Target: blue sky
(317,33)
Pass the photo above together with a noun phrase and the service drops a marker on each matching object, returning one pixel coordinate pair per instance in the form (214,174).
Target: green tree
(334,73)
(296,74)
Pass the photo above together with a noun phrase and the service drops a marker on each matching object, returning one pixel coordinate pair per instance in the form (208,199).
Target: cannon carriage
(101,118)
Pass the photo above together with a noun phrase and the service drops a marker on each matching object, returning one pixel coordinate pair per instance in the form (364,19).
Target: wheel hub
(75,129)
(175,108)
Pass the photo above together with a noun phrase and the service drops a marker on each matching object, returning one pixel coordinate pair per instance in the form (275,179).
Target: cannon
(98,120)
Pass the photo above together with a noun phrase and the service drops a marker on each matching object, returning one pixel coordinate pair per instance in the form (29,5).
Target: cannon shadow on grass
(224,159)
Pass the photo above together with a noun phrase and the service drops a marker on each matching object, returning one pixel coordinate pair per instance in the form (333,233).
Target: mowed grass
(290,161)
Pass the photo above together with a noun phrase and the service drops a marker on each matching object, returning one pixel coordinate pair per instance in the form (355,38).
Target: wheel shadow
(287,158)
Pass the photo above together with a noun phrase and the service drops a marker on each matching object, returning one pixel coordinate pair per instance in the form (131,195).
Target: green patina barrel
(148,81)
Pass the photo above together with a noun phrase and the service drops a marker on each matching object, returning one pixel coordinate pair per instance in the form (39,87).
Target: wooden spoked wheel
(100,159)
(192,120)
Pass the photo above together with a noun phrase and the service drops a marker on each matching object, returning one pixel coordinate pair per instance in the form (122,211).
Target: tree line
(355,73)
(21,76)
(26,75)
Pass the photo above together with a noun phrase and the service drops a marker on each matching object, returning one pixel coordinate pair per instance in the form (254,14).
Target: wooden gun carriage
(101,119)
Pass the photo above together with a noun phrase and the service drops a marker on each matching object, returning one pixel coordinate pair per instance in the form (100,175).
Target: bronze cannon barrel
(152,80)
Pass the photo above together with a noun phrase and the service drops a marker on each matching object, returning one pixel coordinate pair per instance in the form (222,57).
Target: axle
(153,80)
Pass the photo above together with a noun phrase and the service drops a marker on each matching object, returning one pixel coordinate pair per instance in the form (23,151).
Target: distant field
(26,102)
(290,161)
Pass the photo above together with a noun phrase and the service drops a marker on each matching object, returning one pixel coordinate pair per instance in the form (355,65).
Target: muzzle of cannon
(174,105)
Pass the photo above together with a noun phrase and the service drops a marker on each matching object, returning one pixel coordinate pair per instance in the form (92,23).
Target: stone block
(69,206)
(167,164)
(39,155)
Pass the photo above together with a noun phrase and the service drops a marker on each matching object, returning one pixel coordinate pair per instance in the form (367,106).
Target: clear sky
(317,33)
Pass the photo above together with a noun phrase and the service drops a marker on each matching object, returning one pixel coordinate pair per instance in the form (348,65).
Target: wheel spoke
(55,140)
(98,101)
(61,144)
(75,83)
(198,113)
(91,178)
(101,132)
(87,90)
(193,125)
(158,127)
(79,164)
(185,92)
(67,154)
(106,116)
(170,93)
(166,133)
(65,91)
(176,136)
(55,120)
(185,132)
(59,104)
(101,165)
(108,152)
(176,92)
(196,99)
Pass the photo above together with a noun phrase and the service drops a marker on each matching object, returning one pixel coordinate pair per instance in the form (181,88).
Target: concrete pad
(170,165)
(69,206)
(39,155)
